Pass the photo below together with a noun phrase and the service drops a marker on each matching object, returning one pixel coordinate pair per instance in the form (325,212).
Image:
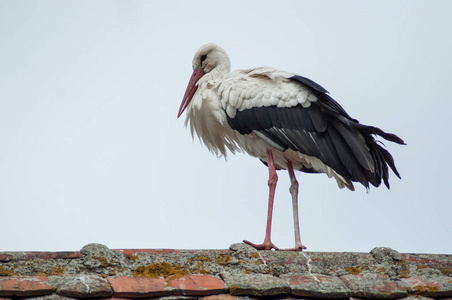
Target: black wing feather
(318,118)
(345,156)
(326,131)
(310,83)
(298,141)
(356,143)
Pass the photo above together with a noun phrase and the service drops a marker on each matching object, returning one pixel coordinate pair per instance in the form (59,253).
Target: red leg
(273,179)
(294,192)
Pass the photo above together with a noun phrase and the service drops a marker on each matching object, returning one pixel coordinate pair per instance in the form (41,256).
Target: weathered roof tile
(439,286)
(51,297)
(198,285)
(81,286)
(24,286)
(138,287)
(255,284)
(373,286)
(316,285)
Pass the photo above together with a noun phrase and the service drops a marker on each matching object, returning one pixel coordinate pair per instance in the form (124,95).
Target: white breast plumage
(207,118)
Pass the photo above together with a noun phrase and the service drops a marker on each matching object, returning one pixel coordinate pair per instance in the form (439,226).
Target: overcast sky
(91,150)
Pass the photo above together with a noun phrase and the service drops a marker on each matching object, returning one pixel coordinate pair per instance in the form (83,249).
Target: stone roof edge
(241,271)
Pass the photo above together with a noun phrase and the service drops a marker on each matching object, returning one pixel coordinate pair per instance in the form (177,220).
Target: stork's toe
(296,248)
(266,245)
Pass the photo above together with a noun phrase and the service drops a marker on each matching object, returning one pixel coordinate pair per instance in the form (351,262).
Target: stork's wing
(315,125)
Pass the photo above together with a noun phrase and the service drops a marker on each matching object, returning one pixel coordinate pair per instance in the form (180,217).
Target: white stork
(287,121)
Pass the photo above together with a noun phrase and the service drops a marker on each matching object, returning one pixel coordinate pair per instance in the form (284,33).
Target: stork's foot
(267,245)
(297,248)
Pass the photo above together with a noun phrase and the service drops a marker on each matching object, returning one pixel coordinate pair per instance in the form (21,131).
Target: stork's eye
(203,58)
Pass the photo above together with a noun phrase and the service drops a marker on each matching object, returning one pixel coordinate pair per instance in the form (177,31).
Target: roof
(238,273)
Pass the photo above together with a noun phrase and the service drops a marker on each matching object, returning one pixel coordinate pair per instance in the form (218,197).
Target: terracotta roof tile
(133,287)
(24,286)
(198,285)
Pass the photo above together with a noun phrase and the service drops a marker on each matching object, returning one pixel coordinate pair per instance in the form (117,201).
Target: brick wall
(238,273)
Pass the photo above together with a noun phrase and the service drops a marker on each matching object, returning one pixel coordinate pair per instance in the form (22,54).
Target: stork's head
(209,59)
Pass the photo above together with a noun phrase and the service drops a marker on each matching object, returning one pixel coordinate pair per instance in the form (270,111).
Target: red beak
(191,89)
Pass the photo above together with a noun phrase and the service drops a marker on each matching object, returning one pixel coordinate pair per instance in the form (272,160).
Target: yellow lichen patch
(133,257)
(201,258)
(163,269)
(405,274)
(199,268)
(233,289)
(405,271)
(422,289)
(353,270)
(102,260)
(5,272)
(446,270)
(223,259)
(57,271)
(197,264)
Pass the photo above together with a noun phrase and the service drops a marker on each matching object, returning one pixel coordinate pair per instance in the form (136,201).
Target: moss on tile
(6,272)
(223,259)
(353,270)
(163,269)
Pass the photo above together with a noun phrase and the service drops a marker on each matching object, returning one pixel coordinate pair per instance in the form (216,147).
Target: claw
(267,245)
(296,248)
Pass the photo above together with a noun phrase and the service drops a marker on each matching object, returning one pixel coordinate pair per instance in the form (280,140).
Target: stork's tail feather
(375,130)
(382,158)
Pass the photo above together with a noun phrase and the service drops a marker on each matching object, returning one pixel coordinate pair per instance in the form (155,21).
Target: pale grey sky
(91,150)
